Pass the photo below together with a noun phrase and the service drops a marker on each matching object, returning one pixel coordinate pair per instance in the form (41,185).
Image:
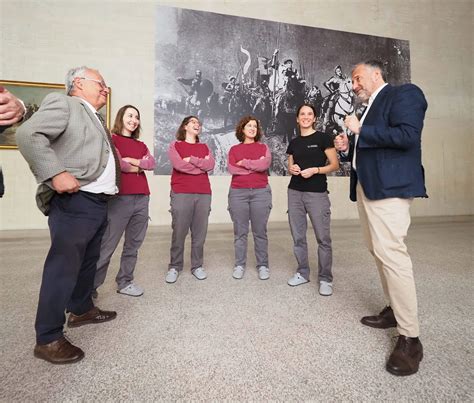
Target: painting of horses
(221,68)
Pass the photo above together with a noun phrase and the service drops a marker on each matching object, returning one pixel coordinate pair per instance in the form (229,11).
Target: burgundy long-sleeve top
(190,177)
(253,172)
(133,182)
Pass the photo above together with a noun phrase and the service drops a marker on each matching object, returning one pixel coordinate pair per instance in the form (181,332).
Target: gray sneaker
(325,288)
(263,273)
(200,273)
(172,275)
(132,290)
(238,272)
(297,279)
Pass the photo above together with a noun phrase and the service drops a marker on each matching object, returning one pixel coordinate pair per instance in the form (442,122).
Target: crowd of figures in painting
(245,78)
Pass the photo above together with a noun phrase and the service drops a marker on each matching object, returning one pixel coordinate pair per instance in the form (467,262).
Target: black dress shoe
(406,356)
(95,315)
(383,320)
(60,351)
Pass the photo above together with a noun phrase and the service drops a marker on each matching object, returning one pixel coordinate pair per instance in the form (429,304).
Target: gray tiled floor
(247,339)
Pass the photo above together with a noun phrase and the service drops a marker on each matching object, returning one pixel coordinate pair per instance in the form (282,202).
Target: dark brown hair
(312,108)
(181,132)
(118,124)
(239,130)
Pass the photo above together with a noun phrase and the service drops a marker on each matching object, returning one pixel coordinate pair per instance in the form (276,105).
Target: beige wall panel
(40,40)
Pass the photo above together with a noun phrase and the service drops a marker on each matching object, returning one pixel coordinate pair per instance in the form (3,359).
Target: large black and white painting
(220,68)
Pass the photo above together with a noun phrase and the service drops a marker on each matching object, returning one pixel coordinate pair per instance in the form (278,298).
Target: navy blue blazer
(388,154)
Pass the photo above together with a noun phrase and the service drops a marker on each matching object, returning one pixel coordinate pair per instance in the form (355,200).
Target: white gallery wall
(40,40)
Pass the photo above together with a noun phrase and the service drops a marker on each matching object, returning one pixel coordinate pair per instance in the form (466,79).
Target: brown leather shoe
(60,351)
(383,320)
(95,315)
(406,356)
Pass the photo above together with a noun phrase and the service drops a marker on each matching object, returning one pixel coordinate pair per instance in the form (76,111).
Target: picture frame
(32,94)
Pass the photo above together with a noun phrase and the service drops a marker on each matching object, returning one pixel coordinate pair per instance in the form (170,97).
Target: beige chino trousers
(385,225)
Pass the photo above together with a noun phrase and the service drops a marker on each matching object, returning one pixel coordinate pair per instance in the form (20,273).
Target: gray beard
(362,99)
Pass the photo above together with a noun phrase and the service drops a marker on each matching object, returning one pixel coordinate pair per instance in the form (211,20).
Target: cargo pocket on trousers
(230,213)
(172,212)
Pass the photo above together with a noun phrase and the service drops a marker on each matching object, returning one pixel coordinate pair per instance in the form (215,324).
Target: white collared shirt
(371,101)
(105,183)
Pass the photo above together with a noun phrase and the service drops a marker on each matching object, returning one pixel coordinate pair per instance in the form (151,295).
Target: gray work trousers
(129,214)
(189,211)
(318,208)
(250,206)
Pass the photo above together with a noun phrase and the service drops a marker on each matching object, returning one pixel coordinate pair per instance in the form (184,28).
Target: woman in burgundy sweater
(250,196)
(128,211)
(190,197)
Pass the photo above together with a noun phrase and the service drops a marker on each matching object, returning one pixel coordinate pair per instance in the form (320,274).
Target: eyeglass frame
(101,83)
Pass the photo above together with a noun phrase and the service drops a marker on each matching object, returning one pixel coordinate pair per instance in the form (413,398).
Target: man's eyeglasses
(101,83)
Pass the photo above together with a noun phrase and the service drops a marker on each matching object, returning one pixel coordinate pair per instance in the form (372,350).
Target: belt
(99,196)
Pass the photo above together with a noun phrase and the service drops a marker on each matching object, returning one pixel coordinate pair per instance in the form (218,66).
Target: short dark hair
(181,132)
(239,130)
(118,124)
(377,64)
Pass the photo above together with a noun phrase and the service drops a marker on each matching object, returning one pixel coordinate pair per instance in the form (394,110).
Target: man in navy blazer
(386,175)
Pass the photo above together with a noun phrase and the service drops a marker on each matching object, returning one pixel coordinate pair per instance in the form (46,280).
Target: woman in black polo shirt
(310,157)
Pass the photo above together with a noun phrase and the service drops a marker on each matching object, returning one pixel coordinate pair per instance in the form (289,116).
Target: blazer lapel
(374,108)
(94,118)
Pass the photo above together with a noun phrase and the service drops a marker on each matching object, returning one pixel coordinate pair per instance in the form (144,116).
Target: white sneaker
(199,273)
(297,279)
(238,272)
(172,276)
(132,290)
(263,273)
(325,288)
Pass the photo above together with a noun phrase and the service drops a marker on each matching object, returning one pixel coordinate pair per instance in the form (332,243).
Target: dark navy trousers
(77,223)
